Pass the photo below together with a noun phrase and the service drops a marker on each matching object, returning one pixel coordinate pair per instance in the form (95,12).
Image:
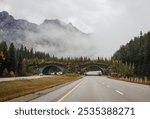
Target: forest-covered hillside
(14,61)
(137,53)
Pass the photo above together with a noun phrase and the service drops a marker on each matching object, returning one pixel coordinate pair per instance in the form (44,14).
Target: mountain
(52,36)
(12,29)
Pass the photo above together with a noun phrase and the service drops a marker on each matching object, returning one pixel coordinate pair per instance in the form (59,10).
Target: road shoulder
(35,95)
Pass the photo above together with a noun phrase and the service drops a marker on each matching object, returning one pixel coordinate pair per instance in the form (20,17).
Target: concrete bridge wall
(42,68)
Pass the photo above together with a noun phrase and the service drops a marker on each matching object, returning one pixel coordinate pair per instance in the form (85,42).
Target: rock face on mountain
(12,29)
(53,36)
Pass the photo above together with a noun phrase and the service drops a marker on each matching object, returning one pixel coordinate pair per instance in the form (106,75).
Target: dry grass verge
(17,88)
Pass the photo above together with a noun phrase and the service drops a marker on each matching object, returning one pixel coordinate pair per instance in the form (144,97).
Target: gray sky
(111,22)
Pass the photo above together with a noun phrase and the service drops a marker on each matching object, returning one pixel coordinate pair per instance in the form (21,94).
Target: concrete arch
(52,68)
(102,67)
(93,68)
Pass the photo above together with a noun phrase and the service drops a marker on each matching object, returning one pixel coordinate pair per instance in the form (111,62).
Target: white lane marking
(108,86)
(61,99)
(119,92)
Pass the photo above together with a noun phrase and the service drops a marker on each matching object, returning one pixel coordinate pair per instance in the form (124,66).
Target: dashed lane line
(119,92)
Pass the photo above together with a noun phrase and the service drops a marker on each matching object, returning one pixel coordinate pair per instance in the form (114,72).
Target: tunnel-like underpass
(51,70)
(92,70)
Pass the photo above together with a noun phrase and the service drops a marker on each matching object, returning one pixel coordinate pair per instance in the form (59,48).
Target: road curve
(98,89)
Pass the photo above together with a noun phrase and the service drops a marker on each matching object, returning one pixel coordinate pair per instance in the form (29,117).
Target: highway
(98,89)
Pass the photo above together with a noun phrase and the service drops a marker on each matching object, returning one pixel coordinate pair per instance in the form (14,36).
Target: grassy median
(17,88)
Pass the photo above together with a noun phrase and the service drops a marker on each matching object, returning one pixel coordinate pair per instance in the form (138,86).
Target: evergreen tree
(31,53)
(136,53)
(12,57)
(4,48)
(20,66)
(147,56)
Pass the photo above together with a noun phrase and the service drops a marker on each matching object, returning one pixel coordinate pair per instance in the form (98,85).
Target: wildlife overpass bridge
(51,68)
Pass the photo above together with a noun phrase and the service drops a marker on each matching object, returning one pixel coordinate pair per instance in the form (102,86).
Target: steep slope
(52,36)
(13,30)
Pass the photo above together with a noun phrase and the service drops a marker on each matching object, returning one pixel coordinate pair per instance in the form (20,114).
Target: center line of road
(61,99)
(119,92)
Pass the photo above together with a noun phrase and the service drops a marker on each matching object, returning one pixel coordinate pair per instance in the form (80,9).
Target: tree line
(13,61)
(137,54)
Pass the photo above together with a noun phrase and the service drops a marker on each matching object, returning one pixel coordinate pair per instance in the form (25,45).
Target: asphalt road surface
(98,89)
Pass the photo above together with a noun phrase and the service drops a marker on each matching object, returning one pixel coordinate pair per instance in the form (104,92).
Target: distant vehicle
(59,73)
(99,73)
(52,73)
(56,73)
(41,74)
(93,73)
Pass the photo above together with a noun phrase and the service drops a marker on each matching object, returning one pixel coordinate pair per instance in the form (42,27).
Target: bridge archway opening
(92,70)
(52,70)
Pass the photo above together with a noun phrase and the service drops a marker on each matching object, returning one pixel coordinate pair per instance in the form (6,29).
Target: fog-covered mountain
(52,36)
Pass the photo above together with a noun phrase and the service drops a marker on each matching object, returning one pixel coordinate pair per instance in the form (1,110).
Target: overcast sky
(111,22)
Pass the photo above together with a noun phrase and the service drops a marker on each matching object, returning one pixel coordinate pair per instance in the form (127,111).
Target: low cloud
(111,22)
(61,42)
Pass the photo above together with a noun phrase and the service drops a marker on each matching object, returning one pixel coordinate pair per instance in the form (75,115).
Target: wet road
(98,89)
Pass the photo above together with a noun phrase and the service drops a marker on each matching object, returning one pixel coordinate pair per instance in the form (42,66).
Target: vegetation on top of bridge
(46,64)
(95,64)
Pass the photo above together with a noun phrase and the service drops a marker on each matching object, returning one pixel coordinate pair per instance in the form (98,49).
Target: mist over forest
(52,36)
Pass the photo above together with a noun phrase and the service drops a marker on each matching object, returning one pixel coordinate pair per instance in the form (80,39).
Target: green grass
(17,88)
